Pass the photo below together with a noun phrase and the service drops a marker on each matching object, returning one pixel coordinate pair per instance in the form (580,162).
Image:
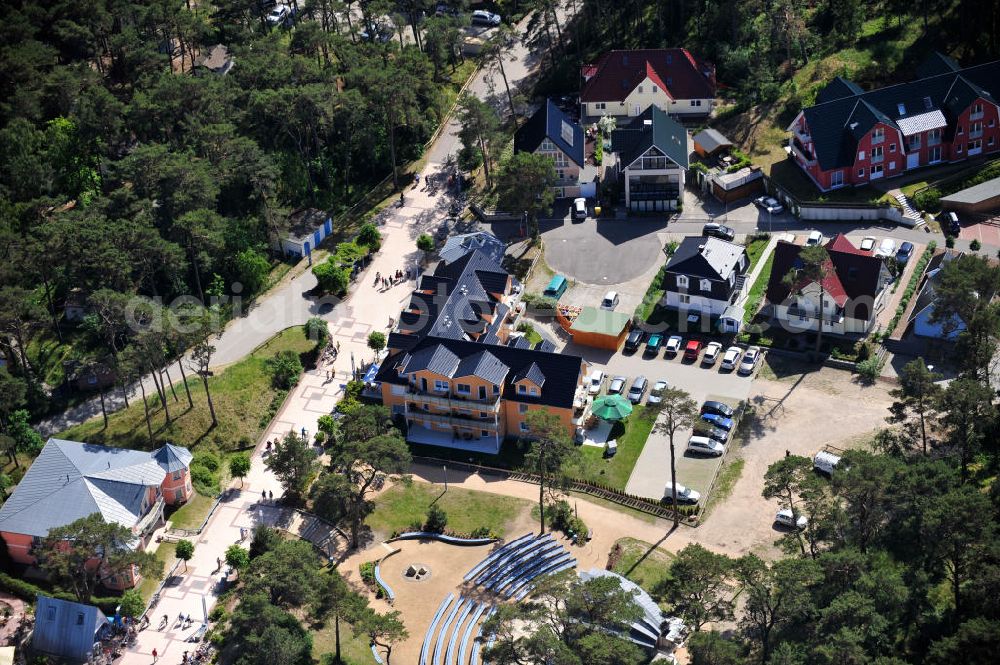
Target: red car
(692,349)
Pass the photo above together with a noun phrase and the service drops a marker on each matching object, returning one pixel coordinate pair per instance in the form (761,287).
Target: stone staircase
(908,211)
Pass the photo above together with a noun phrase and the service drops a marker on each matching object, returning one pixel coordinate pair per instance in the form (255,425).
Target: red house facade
(853,137)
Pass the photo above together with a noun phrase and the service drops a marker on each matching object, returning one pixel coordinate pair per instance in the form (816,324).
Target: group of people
(393,279)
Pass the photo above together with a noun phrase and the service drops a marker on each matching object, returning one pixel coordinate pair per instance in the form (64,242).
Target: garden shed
(307,227)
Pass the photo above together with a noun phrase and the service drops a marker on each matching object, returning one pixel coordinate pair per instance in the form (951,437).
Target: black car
(720,231)
(714,433)
(949,223)
(717,408)
(634,339)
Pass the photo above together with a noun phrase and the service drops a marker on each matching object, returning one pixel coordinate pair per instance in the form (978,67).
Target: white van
(825,461)
(610,300)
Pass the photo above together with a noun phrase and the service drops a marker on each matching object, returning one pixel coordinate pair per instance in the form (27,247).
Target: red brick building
(853,137)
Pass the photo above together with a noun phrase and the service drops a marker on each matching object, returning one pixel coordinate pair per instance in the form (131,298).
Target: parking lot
(652,470)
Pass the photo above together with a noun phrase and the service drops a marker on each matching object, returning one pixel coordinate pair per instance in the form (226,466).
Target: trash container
(597,211)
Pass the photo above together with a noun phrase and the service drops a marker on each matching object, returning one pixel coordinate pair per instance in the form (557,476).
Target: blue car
(718,421)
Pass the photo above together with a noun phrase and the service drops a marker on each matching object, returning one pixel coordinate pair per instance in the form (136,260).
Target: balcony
(976,116)
(800,154)
(451,402)
(976,134)
(809,314)
(878,138)
(802,136)
(453,420)
(878,159)
(151,518)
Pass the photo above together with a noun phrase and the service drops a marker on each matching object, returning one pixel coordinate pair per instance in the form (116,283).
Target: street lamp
(445,467)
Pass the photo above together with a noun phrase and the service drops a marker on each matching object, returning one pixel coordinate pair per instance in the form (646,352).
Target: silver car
(731,357)
(656,394)
(750,360)
(638,389)
(786,518)
(617,385)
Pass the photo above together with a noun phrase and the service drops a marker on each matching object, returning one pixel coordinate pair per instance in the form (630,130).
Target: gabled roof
(70,480)
(711,140)
(559,373)
(837,121)
(937,63)
(484,365)
(852,275)
(707,258)
(674,70)
(532,373)
(838,88)
(460,294)
(458,246)
(549,122)
(651,128)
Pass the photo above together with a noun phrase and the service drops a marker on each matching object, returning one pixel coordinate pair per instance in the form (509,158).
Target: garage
(597,328)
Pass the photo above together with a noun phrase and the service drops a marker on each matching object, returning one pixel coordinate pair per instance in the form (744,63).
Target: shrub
(370,237)
(869,369)
(481,532)
(317,330)
(331,278)
(928,199)
(437,519)
(207,459)
(285,369)
(949,241)
(217,614)
(975,245)
(204,481)
(320,437)
(354,389)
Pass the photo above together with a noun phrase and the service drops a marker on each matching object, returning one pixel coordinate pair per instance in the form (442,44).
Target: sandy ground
(799,413)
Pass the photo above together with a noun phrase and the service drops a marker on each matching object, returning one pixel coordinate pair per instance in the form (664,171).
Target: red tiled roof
(619,72)
(840,243)
(852,275)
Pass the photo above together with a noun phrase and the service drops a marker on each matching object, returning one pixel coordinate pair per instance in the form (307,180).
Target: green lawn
(653,295)
(529,332)
(353,650)
(406,504)
(642,564)
(756,294)
(244,399)
(755,248)
(731,471)
(193,513)
(165,552)
(615,471)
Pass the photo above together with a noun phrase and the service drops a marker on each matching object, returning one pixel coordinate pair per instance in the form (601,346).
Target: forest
(128,170)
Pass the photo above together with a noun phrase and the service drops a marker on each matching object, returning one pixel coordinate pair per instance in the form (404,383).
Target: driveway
(603,251)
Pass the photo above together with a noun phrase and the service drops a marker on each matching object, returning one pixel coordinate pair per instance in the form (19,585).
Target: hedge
(911,286)
(29,592)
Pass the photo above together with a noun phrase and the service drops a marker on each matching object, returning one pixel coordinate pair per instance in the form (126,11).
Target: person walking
(155,655)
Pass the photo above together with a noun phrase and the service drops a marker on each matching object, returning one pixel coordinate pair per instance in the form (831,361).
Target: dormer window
(640,89)
(706,285)
(682,281)
(522,389)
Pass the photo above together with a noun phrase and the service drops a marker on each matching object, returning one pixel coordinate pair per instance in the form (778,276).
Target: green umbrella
(612,407)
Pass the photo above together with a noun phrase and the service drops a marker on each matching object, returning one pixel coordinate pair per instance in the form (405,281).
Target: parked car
(868,244)
(716,420)
(702,445)
(721,408)
(634,339)
(949,223)
(278,15)
(702,428)
(769,204)
(718,231)
(825,462)
(905,252)
(750,360)
(684,494)
(693,349)
(886,248)
(617,385)
(785,517)
(656,393)
(556,287)
(595,381)
(674,344)
(712,352)
(580,208)
(654,343)
(443,10)
(483,17)
(815,238)
(610,300)
(638,389)
(731,357)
